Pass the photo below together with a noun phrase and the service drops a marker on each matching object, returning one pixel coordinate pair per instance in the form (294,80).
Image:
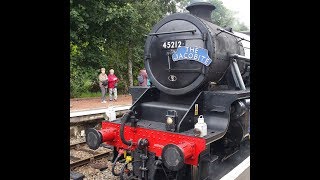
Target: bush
(83,81)
(87,84)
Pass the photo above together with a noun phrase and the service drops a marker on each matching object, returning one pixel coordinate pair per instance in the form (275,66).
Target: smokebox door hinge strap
(173,32)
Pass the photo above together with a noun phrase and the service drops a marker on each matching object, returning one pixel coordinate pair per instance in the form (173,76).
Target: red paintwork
(190,145)
(108,134)
(187,148)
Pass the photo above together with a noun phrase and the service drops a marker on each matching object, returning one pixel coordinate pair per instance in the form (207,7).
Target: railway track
(84,160)
(81,120)
(77,145)
(80,149)
(80,162)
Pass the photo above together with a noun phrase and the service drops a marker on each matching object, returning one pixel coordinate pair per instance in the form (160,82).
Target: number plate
(173,44)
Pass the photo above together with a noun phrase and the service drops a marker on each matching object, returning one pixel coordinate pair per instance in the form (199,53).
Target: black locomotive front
(197,68)
(181,29)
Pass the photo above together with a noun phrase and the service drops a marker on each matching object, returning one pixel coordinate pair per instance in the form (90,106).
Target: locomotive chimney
(201,8)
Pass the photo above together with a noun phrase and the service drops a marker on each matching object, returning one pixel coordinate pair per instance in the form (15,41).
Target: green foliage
(110,33)
(240,26)
(221,15)
(107,33)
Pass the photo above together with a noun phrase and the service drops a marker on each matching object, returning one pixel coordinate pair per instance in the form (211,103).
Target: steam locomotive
(196,114)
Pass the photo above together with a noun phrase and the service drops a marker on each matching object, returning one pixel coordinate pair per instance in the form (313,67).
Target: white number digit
(171,44)
(164,45)
(168,44)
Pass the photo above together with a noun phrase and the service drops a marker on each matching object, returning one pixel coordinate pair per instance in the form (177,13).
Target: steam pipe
(124,120)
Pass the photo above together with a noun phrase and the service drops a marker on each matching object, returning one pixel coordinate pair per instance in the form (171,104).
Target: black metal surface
(124,120)
(188,120)
(190,75)
(210,137)
(237,75)
(239,57)
(151,94)
(173,32)
(172,99)
(152,125)
(182,93)
(213,105)
(219,121)
(136,92)
(225,31)
(171,120)
(137,164)
(93,138)
(172,157)
(201,9)
(198,70)
(153,105)
(220,169)
(143,143)
(156,66)
(239,109)
(157,111)
(247,102)
(143,168)
(206,160)
(216,108)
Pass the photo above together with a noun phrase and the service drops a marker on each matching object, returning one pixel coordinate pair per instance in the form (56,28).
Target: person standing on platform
(103,83)
(112,85)
(143,78)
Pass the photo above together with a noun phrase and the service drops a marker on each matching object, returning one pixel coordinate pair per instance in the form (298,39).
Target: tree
(221,15)
(240,26)
(110,34)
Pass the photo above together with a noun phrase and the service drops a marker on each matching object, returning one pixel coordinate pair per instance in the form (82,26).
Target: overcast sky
(240,6)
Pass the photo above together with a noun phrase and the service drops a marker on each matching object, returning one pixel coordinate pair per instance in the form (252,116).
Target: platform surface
(237,167)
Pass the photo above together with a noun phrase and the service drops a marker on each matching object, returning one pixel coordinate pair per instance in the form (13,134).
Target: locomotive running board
(215,107)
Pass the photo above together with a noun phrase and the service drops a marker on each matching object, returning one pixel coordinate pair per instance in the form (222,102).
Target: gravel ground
(96,174)
(77,140)
(91,103)
(80,154)
(99,150)
(90,172)
(84,154)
